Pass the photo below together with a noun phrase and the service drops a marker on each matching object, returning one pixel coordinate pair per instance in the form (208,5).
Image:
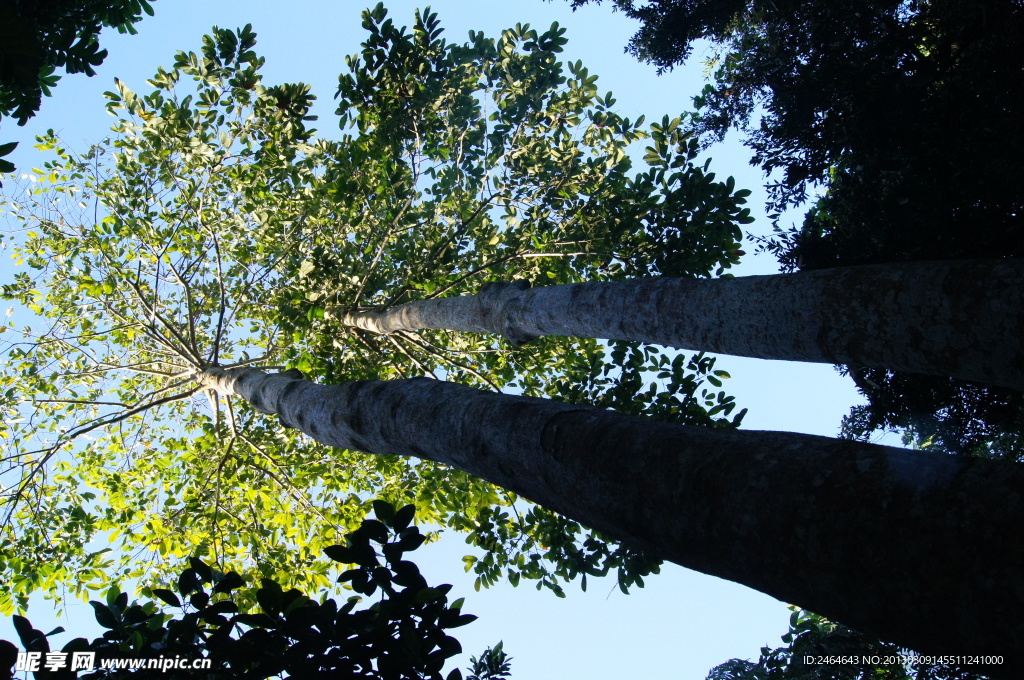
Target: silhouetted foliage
(8,657)
(37,38)
(942,413)
(812,640)
(491,665)
(289,635)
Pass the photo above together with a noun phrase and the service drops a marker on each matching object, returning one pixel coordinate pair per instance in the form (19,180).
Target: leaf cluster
(402,635)
(668,29)
(37,38)
(941,414)
(141,261)
(854,96)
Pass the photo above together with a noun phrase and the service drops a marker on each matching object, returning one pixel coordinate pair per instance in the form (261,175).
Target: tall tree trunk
(920,549)
(958,319)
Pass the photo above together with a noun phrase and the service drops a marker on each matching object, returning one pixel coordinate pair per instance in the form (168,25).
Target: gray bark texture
(920,549)
(962,319)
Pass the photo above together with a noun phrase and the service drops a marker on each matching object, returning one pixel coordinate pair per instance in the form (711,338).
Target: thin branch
(73,434)
(449,360)
(285,483)
(471,274)
(407,353)
(78,401)
(383,245)
(190,309)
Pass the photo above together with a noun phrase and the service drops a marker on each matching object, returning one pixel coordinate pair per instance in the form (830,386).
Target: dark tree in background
(907,112)
(906,109)
(37,38)
(812,637)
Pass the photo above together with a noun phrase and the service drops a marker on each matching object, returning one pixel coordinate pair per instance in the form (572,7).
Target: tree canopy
(215,227)
(854,97)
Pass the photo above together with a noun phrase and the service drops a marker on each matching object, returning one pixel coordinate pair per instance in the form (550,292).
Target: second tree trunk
(956,319)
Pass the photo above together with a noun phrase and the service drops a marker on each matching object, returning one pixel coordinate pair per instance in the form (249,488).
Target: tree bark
(920,549)
(958,319)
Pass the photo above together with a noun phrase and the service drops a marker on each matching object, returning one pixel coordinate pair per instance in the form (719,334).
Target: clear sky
(682,623)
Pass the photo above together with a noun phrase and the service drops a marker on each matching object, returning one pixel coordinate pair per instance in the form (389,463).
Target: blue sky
(682,623)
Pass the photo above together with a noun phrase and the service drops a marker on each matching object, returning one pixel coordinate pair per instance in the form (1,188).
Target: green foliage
(812,639)
(402,635)
(644,380)
(37,38)
(491,665)
(216,228)
(165,240)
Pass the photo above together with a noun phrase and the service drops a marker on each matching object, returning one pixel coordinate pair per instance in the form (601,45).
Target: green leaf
(167,596)
(104,616)
(341,553)
(428,595)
